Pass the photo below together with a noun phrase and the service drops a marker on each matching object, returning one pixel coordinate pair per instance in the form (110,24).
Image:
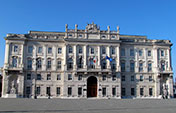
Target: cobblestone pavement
(87,106)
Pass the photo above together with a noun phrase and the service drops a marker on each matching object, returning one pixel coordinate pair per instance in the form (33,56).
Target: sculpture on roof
(92,28)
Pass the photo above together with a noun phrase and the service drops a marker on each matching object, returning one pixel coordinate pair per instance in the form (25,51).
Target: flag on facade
(94,60)
(110,59)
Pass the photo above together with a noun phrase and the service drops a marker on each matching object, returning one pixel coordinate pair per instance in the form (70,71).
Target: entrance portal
(92,87)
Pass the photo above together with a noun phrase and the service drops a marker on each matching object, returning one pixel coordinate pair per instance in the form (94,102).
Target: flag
(94,60)
(110,59)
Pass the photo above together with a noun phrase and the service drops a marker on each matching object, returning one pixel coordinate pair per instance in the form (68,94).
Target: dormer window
(80,36)
(70,35)
(103,36)
(113,36)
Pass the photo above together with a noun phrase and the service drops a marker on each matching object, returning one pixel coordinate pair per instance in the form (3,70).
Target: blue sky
(154,18)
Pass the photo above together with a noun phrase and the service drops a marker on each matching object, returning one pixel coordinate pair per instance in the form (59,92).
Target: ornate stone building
(82,63)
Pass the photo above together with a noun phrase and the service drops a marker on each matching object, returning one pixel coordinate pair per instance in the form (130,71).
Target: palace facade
(84,63)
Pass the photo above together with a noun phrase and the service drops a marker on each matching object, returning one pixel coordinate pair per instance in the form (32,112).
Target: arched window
(113,64)
(132,66)
(29,63)
(59,64)
(14,61)
(104,64)
(39,63)
(70,63)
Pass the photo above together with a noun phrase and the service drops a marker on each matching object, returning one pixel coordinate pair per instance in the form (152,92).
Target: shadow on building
(0,85)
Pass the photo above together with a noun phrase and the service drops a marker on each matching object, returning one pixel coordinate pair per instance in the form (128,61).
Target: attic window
(113,36)
(103,36)
(70,35)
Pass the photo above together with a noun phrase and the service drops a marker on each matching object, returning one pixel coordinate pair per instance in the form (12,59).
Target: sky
(155,19)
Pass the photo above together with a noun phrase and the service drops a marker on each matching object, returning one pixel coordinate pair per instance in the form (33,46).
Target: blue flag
(110,59)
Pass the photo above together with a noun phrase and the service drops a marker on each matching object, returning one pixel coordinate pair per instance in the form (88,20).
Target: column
(170,86)
(85,56)
(5,84)
(157,85)
(99,58)
(6,63)
(22,56)
(55,58)
(169,59)
(136,60)
(64,58)
(155,59)
(34,56)
(117,59)
(108,62)
(44,61)
(75,58)
(20,85)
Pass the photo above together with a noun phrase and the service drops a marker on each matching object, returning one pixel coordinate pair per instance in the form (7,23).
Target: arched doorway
(92,87)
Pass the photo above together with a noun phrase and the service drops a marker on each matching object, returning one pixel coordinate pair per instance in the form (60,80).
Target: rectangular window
(150,78)
(30,49)
(69,77)
(103,50)
(29,63)
(132,92)
(70,49)
(113,51)
(149,53)
(123,66)
(114,91)
(39,49)
(150,91)
(28,76)
(58,90)
(69,91)
(49,64)
(113,77)
(162,53)
(48,91)
(104,77)
(132,78)
(104,91)
(140,52)
(122,51)
(39,77)
(149,67)
(15,49)
(14,62)
(131,52)
(80,49)
(123,78)
(92,50)
(59,64)
(59,50)
(58,77)
(48,77)
(79,77)
(39,63)
(140,67)
(28,90)
(132,66)
(123,91)
(38,90)
(141,77)
(141,91)
(49,50)
(80,91)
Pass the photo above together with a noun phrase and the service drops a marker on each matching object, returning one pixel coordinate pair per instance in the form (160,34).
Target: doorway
(92,87)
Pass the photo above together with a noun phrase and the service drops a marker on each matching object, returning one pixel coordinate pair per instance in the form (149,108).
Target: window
(141,77)
(70,35)
(123,91)
(132,78)
(132,66)
(79,77)
(14,62)
(92,50)
(29,64)
(113,77)
(131,52)
(39,77)
(150,78)
(104,64)
(162,52)
(162,66)
(132,92)
(70,63)
(30,49)
(39,63)
(38,91)
(113,64)
(104,91)
(80,91)
(150,91)
(104,77)
(122,66)
(48,76)
(59,64)
(70,49)
(28,90)
(141,91)
(49,64)
(114,91)
(80,49)
(149,67)
(92,63)
(103,50)
(49,50)
(39,49)
(80,35)
(140,67)
(122,51)
(58,90)
(112,50)
(80,62)
(15,49)
(48,91)
(58,77)
(149,52)
(59,50)
(69,91)
(28,76)
(113,36)
(69,77)
(140,52)
(123,78)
